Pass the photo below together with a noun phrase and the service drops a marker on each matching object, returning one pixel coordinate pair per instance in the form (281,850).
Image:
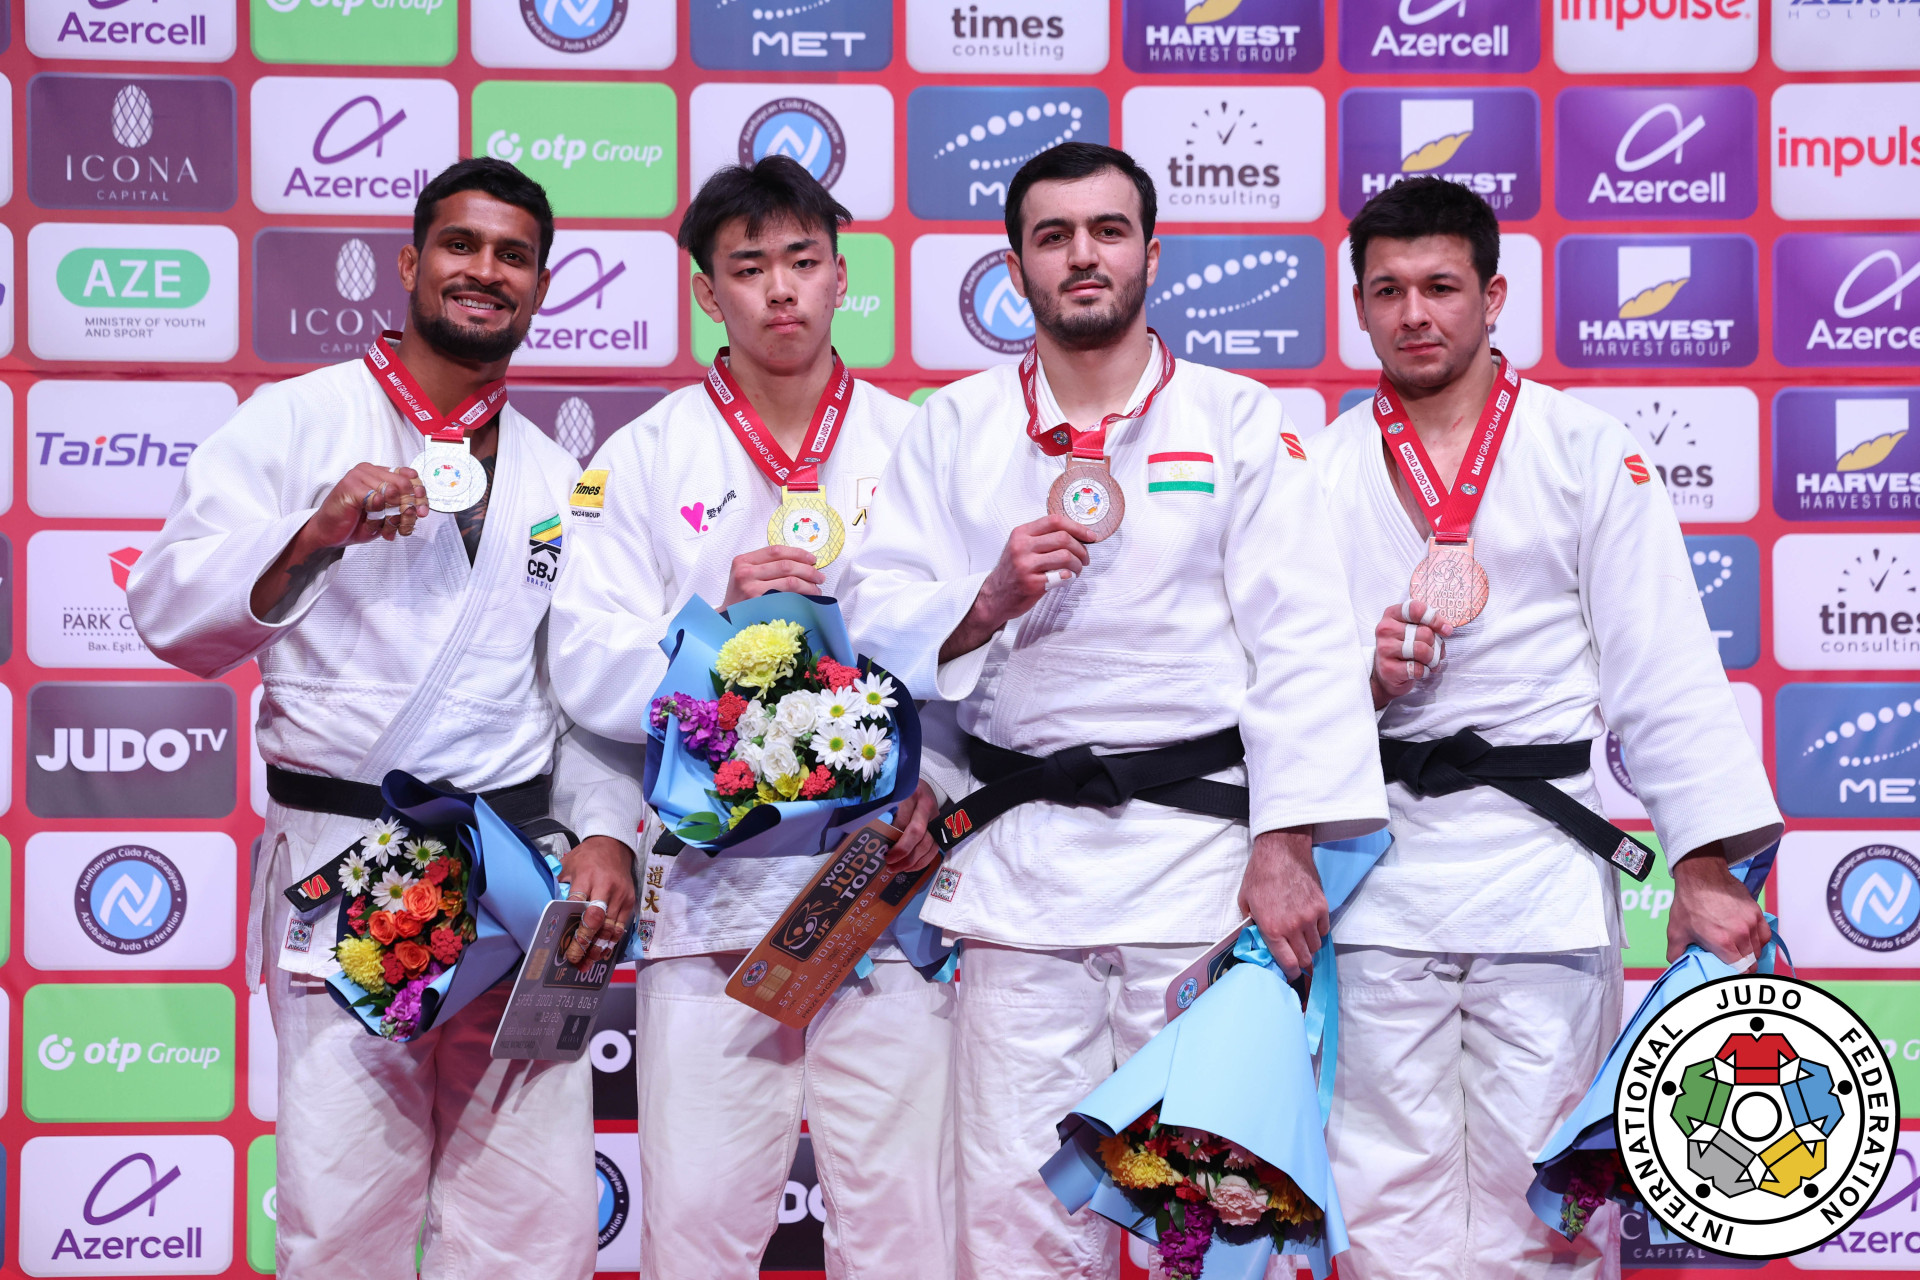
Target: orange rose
(451,901)
(407,924)
(380,923)
(412,957)
(422,900)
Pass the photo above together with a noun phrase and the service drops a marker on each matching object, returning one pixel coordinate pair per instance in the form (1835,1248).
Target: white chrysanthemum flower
(755,720)
(355,876)
(750,752)
(779,760)
(875,696)
(383,840)
(838,704)
(796,714)
(871,746)
(392,887)
(422,852)
(833,745)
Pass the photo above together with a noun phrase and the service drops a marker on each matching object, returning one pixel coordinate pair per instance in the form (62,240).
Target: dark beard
(1087,330)
(462,342)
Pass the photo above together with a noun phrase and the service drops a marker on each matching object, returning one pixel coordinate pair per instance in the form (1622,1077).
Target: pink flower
(733,778)
(1239,1202)
(1238,1157)
(731,706)
(818,783)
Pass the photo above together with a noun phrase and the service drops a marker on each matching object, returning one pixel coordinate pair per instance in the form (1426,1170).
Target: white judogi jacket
(1207,609)
(399,655)
(1592,605)
(680,500)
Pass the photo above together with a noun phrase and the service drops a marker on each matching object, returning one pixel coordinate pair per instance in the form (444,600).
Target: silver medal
(452,476)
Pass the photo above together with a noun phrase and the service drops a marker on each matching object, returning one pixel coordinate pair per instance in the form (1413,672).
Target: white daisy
(421,852)
(833,745)
(871,747)
(354,874)
(838,704)
(392,887)
(875,696)
(383,840)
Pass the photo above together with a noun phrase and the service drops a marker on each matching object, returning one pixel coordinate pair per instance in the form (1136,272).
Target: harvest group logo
(1241,302)
(604,306)
(108,142)
(387,33)
(1683,301)
(1665,154)
(131,292)
(1848,750)
(1216,155)
(1839,299)
(127,900)
(600,150)
(322,295)
(1038,37)
(1846,150)
(841,134)
(1655,35)
(1487,140)
(966,312)
(77,613)
(1847,602)
(128,474)
(136,1051)
(1845,453)
(350,146)
(155,30)
(1703,441)
(1234,36)
(965,144)
(1439,35)
(161,750)
(162,1203)
(809,35)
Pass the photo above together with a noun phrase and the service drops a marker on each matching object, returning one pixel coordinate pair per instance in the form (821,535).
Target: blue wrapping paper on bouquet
(1584,1146)
(678,781)
(1237,1064)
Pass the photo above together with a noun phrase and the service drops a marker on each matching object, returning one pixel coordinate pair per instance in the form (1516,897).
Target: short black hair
(1427,206)
(496,178)
(776,188)
(1071,160)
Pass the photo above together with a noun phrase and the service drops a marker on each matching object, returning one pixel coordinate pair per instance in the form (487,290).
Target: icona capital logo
(128,1051)
(164,278)
(110,142)
(321,295)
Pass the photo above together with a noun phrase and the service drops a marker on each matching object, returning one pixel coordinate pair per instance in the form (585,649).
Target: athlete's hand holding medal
(1408,643)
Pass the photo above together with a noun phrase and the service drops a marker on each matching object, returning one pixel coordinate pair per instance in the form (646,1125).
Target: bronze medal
(1450,582)
(1087,494)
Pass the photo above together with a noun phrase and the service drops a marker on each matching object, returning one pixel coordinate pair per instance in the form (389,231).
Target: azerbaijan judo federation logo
(1757,1116)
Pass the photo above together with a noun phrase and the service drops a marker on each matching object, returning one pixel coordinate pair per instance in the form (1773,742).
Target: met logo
(828,35)
(1848,750)
(1726,573)
(1241,302)
(1487,140)
(964,144)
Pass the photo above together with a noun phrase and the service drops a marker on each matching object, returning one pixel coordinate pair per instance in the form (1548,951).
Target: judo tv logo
(350,146)
(153,1204)
(1242,302)
(1747,1112)
(965,144)
(1648,301)
(1487,140)
(144,750)
(1236,37)
(1415,36)
(840,133)
(108,142)
(393,33)
(1657,154)
(1640,36)
(127,1051)
(604,306)
(1848,750)
(815,35)
(1223,155)
(1846,150)
(322,296)
(115,30)
(602,150)
(1847,602)
(1845,453)
(1840,299)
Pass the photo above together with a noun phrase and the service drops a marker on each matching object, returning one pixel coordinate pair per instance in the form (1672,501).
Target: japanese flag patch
(1179,473)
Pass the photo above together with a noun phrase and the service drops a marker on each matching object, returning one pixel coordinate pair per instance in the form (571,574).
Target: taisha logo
(139,449)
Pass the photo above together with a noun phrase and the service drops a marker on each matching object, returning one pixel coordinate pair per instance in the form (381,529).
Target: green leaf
(701,827)
(719,685)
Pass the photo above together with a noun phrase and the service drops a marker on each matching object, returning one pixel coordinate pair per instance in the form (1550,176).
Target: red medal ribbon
(1092,443)
(1450,513)
(803,473)
(413,404)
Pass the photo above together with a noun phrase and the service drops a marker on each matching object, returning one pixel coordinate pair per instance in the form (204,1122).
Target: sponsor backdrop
(1710,210)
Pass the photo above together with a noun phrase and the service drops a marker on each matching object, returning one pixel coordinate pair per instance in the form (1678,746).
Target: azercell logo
(1439,35)
(1845,453)
(1487,140)
(1840,299)
(1689,301)
(965,144)
(159,1204)
(602,306)
(114,30)
(1679,153)
(350,146)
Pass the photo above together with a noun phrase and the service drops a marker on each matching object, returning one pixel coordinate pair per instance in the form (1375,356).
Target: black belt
(1445,765)
(1174,776)
(521,804)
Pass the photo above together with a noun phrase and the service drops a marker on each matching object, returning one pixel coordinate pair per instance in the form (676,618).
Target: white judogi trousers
(1455,1069)
(722,1090)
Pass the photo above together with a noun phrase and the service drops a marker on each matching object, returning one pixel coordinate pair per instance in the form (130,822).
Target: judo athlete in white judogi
(391,637)
(1217,605)
(677,505)
(1480,981)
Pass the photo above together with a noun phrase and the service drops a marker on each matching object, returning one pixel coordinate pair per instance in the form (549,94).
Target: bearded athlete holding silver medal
(1521,571)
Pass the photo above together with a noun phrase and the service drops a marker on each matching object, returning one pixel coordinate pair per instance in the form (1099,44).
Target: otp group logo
(1657,154)
(1845,453)
(1226,36)
(1485,139)
(1439,35)
(1840,298)
(1241,302)
(1674,301)
(965,144)
(106,142)
(1848,750)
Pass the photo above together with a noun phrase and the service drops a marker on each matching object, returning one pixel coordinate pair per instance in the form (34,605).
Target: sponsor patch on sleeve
(1295,449)
(1637,468)
(589,498)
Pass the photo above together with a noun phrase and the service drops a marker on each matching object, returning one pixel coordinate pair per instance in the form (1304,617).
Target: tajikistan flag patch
(1179,473)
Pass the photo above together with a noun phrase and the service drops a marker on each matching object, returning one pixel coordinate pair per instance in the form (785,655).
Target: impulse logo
(1232,36)
(1846,150)
(1840,299)
(1848,750)
(964,144)
(806,35)
(106,142)
(1846,602)
(1656,35)
(1680,153)
(1487,140)
(1439,35)
(1845,453)
(172,30)
(1242,302)
(1686,302)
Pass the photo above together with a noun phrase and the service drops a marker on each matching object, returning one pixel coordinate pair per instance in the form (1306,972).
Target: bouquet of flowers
(406,920)
(766,719)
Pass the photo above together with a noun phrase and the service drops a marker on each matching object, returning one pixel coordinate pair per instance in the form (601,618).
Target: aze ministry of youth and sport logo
(1845,453)
(1873,898)
(1439,35)
(1756,1116)
(964,144)
(1487,140)
(1686,300)
(109,142)
(1657,154)
(1230,36)
(1840,298)
(1241,302)
(994,313)
(800,129)
(573,26)
(130,899)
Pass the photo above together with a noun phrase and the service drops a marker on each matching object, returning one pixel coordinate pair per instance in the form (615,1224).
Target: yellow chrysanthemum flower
(740,811)
(1135,1169)
(761,655)
(360,958)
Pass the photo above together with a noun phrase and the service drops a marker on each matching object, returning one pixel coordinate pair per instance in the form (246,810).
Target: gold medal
(1450,582)
(807,521)
(1087,494)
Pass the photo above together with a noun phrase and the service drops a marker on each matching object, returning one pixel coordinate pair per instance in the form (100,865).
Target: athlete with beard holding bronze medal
(1520,569)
